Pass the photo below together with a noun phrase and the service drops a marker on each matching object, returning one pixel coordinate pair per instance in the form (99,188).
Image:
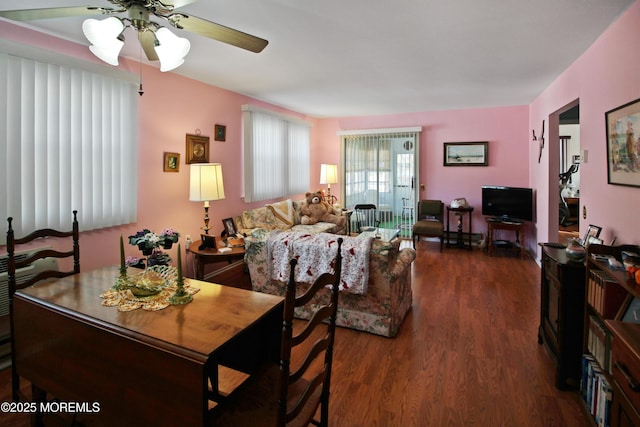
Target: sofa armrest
(402,261)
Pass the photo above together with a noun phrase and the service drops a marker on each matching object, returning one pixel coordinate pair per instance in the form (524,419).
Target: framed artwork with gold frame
(171,162)
(197,150)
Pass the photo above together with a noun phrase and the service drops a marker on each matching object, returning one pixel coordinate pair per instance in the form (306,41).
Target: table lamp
(205,185)
(328,175)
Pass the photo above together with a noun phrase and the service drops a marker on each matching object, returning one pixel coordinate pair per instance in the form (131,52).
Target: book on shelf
(599,342)
(604,294)
(596,391)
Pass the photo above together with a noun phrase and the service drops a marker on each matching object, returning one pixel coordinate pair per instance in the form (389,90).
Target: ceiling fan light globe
(171,49)
(164,66)
(104,32)
(108,54)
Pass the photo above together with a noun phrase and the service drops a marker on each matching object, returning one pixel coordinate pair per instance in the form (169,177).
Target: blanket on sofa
(315,254)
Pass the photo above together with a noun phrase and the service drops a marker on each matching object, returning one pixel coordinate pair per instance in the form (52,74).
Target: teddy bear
(315,210)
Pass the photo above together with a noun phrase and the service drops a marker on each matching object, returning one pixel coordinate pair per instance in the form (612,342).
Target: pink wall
(171,107)
(605,77)
(504,128)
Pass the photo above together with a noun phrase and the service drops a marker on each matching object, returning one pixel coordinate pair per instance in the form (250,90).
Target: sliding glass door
(380,168)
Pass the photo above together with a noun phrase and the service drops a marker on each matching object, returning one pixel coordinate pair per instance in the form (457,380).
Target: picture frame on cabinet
(591,235)
(229,227)
(630,311)
(623,134)
(208,242)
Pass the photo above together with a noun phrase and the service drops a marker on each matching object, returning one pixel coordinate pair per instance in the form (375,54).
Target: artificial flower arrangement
(149,243)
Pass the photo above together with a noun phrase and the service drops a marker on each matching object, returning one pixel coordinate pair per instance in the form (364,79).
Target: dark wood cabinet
(562,300)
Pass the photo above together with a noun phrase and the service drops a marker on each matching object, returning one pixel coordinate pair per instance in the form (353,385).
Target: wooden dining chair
(15,263)
(282,395)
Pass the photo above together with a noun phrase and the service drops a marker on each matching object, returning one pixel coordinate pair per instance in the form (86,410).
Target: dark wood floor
(467,354)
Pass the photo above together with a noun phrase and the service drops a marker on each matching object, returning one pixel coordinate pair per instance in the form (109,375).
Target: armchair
(430,221)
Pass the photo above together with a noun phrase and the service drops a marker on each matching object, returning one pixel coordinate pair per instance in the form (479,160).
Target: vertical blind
(68,140)
(380,168)
(276,155)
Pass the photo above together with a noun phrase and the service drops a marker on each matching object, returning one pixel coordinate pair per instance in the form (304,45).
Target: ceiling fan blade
(148,41)
(218,32)
(51,12)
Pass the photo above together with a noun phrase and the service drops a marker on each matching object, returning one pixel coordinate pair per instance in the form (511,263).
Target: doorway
(380,168)
(564,172)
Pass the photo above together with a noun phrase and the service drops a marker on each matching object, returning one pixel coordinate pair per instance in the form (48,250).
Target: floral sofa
(284,215)
(380,310)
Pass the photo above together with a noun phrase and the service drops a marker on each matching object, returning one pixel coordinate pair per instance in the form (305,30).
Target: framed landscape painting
(623,144)
(466,153)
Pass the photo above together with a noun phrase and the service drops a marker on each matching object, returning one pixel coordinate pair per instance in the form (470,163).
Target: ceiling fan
(157,41)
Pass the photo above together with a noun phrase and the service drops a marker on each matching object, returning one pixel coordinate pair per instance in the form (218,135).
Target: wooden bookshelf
(610,384)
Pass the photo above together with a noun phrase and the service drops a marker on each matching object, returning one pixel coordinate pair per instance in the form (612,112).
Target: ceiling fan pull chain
(140,91)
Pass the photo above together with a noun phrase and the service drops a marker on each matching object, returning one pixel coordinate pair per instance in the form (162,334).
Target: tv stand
(503,224)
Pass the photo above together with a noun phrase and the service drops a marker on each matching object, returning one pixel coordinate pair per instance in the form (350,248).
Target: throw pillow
(259,218)
(283,213)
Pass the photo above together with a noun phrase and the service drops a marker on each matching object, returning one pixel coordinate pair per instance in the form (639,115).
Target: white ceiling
(334,58)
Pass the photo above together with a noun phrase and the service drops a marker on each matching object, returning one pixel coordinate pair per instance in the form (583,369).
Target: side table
(516,226)
(211,256)
(460,212)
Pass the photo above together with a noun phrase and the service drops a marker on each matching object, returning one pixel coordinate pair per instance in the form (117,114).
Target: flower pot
(168,244)
(147,251)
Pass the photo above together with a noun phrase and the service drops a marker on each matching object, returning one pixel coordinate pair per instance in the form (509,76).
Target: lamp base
(206,219)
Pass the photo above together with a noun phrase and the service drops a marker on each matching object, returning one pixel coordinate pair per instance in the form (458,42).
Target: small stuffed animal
(315,210)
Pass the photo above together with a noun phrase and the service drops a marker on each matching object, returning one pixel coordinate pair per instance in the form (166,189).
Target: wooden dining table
(140,367)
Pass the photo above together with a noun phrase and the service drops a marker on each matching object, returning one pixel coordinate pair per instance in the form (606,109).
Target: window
(276,155)
(68,140)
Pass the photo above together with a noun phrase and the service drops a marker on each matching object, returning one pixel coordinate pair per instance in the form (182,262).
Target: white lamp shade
(171,49)
(206,182)
(105,38)
(328,174)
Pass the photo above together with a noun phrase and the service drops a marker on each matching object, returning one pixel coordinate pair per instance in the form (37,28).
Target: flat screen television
(507,203)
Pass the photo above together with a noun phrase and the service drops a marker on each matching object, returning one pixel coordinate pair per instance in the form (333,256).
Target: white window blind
(68,140)
(380,167)
(276,155)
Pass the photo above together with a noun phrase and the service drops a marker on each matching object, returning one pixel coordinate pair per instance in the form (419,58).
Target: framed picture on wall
(171,162)
(220,133)
(623,151)
(197,149)
(466,153)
